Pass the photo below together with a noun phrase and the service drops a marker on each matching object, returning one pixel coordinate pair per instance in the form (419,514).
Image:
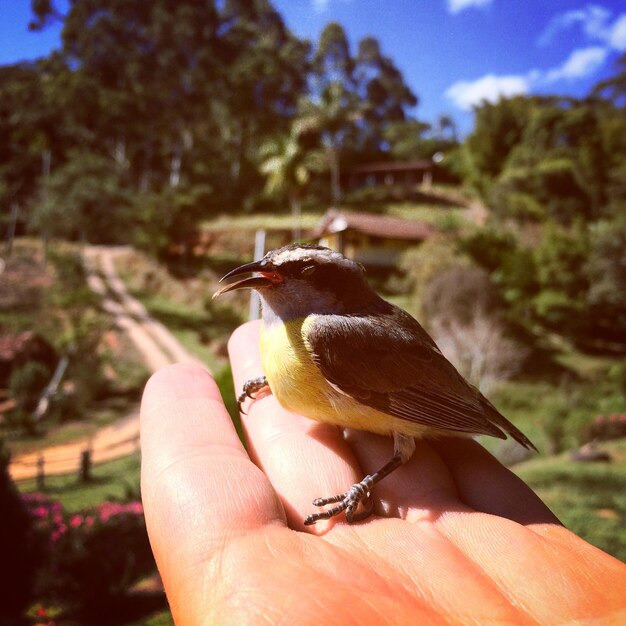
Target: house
(374,240)
(395,173)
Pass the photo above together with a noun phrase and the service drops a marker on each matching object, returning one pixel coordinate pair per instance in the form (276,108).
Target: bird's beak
(264,278)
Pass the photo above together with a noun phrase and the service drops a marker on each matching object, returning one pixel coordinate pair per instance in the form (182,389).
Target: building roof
(390,166)
(335,221)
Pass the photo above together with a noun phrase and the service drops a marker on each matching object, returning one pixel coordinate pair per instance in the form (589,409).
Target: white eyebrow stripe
(318,256)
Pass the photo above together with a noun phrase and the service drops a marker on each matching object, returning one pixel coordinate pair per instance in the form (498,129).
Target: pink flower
(76,521)
(40,511)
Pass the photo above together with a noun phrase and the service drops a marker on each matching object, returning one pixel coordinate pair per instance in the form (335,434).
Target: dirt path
(155,343)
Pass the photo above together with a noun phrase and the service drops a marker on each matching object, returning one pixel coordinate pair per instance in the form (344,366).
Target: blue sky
(453,53)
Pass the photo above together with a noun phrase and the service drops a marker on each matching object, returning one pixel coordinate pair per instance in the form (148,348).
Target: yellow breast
(292,375)
(299,385)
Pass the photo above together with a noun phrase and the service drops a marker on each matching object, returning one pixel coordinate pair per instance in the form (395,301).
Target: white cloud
(596,23)
(580,63)
(593,19)
(321,6)
(456,6)
(466,94)
(617,34)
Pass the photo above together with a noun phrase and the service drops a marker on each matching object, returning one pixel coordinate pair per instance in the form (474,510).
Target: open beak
(262,279)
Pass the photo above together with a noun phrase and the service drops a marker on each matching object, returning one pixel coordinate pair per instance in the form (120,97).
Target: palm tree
(333,117)
(288,168)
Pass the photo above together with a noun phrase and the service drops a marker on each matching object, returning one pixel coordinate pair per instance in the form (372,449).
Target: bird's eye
(307,270)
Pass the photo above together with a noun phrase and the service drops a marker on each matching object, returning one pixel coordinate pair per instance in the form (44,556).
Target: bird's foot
(349,501)
(250,387)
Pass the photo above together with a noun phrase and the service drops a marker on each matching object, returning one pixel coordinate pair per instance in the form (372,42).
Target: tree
(33,132)
(332,108)
(332,117)
(180,93)
(407,140)
(615,86)
(84,199)
(265,75)
(383,95)
(605,271)
(353,100)
(288,164)
(498,128)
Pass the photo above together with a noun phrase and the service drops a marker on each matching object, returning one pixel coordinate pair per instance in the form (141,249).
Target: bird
(336,352)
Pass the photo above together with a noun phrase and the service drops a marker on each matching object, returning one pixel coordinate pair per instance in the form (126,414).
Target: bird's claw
(349,501)
(250,387)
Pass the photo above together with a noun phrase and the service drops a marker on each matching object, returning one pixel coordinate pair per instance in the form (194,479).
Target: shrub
(26,384)
(91,558)
(20,550)
(97,555)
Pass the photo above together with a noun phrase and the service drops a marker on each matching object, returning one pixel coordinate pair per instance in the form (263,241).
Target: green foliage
(559,257)
(169,216)
(111,481)
(605,269)
(498,128)
(534,159)
(511,266)
(549,189)
(80,327)
(288,164)
(84,199)
(92,557)
(422,263)
(97,555)
(26,384)
(568,280)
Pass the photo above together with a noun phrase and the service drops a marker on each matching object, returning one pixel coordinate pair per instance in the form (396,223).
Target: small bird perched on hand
(336,352)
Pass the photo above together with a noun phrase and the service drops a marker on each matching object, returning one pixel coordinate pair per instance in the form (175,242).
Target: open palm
(455,537)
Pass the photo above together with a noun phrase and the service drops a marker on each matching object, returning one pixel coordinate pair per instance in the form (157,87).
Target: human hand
(455,537)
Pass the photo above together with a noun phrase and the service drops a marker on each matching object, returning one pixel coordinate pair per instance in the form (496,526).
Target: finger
(486,485)
(303,459)
(199,487)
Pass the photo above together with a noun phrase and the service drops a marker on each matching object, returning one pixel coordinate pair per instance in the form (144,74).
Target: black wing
(389,362)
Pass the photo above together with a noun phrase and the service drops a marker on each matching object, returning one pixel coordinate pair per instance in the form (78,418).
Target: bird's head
(299,279)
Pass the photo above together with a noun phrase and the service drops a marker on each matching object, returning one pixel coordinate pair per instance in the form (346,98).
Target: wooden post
(12,226)
(85,466)
(41,474)
(259,250)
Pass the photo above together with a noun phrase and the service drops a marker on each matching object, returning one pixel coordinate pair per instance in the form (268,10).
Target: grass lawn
(437,215)
(308,220)
(188,324)
(589,498)
(114,480)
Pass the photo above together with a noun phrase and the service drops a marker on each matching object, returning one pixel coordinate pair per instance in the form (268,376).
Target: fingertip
(243,338)
(177,381)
